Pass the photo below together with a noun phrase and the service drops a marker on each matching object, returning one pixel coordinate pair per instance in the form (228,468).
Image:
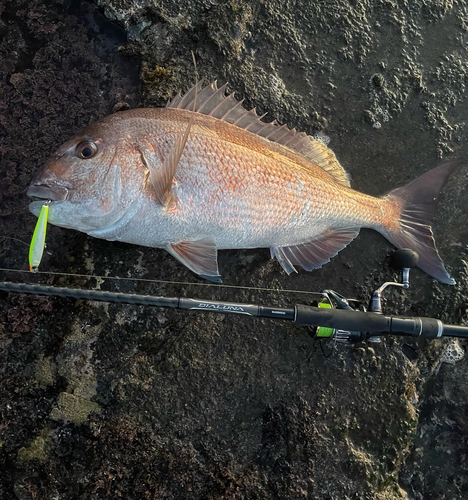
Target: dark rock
(112,401)
(378,80)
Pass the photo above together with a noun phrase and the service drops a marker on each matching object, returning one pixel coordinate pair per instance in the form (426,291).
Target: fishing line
(14,239)
(165,282)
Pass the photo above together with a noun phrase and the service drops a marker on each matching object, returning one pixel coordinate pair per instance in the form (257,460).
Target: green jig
(36,249)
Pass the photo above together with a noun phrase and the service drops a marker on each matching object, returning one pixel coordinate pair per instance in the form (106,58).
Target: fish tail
(409,214)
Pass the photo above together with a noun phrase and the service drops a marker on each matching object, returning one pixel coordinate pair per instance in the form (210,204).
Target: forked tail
(418,201)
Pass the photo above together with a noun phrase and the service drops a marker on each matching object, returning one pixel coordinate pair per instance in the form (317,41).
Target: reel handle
(405,258)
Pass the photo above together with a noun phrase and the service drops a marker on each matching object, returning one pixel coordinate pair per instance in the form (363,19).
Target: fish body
(238,189)
(195,182)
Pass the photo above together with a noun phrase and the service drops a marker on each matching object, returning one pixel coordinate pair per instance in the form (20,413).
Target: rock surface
(112,401)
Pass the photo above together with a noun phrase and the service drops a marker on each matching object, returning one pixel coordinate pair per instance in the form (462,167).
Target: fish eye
(86,150)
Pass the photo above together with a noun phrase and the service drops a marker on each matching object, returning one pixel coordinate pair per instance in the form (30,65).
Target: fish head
(91,180)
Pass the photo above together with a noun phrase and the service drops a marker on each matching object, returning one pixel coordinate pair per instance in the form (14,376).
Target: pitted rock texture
(113,401)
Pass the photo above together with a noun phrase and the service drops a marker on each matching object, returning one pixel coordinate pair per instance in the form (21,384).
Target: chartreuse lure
(36,249)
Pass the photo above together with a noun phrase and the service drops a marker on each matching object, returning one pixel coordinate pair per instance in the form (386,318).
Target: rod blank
(367,322)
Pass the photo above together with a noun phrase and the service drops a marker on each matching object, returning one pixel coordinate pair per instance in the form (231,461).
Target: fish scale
(251,181)
(202,175)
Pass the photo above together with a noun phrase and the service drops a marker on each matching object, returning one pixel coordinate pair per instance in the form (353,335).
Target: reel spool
(322,332)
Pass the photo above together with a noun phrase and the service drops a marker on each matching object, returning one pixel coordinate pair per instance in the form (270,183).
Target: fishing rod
(331,317)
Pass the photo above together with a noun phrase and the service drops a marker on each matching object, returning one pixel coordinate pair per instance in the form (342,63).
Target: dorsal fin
(214,102)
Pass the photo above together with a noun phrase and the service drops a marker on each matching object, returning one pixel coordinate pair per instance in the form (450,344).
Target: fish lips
(40,193)
(45,192)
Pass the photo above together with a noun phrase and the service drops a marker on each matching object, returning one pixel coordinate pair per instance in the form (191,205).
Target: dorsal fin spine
(274,131)
(205,105)
(222,91)
(238,120)
(235,108)
(231,97)
(213,102)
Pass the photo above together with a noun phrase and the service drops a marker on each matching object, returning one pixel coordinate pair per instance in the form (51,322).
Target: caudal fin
(419,199)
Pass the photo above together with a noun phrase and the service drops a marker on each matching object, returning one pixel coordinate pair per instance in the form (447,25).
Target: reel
(404,259)
(333,300)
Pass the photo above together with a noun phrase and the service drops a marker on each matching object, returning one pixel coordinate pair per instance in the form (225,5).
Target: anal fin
(199,256)
(314,254)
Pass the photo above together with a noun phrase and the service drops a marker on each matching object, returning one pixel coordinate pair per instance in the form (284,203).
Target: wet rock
(73,408)
(112,401)
(378,80)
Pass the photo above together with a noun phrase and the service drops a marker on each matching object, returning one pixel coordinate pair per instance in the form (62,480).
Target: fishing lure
(36,249)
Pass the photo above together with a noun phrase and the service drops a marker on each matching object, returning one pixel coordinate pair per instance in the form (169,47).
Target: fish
(204,174)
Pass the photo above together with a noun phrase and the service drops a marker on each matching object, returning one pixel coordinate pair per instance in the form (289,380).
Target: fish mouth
(42,192)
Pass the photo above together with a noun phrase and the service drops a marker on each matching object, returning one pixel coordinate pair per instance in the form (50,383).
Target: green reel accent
(324,332)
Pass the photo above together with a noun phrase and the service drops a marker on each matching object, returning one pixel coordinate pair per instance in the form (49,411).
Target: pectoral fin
(199,256)
(161,176)
(316,253)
